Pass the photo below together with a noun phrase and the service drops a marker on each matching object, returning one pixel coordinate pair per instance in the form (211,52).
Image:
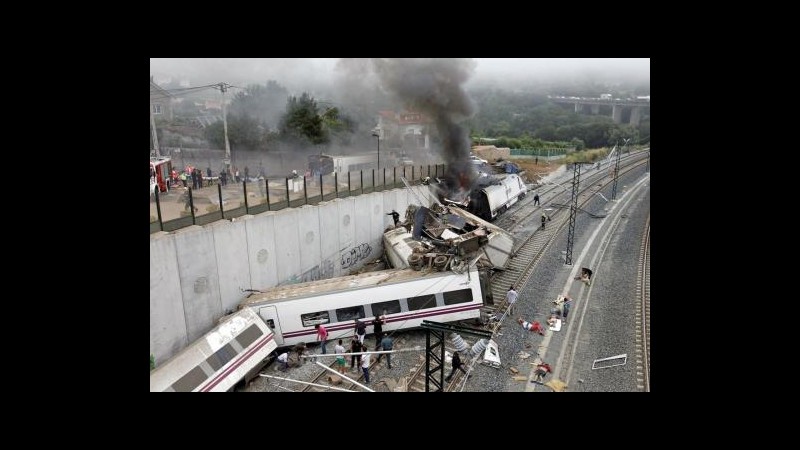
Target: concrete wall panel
(197,266)
(261,251)
(363,248)
(347,235)
(230,246)
(311,264)
(329,242)
(378,223)
(287,245)
(167,324)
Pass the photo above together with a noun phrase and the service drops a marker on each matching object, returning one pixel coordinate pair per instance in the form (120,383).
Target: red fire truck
(160,169)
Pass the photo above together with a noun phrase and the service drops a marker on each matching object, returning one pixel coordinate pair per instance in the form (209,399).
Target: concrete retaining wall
(197,273)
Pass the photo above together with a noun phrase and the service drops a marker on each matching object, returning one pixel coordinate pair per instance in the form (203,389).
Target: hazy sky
(301,73)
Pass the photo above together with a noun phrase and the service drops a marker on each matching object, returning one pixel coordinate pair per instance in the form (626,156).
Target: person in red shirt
(322,336)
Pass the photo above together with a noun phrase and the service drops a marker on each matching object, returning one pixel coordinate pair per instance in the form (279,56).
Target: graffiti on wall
(355,254)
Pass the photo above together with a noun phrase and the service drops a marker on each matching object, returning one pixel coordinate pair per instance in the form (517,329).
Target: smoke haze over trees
(332,105)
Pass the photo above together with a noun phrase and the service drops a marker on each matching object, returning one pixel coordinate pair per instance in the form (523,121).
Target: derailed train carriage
(489,201)
(405,297)
(235,349)
(445,230)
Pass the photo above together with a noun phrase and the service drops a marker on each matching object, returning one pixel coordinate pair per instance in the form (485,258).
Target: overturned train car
(441,231)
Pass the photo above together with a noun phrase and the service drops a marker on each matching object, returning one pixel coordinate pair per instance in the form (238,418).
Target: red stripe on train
(440,312)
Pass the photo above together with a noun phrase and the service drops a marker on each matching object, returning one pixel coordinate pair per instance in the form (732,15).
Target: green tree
(302,122)
(577,143)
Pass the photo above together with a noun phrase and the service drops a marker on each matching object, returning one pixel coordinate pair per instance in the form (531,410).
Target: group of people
(357,345)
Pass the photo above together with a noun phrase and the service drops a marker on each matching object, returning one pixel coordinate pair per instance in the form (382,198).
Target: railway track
(527,253)
(319,378)
(643,315)
(510,222)
(533,245)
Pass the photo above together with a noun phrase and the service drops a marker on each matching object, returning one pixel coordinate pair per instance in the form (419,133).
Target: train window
(191,380)
(421,302)
(390,307)
(459,296)
(221,357)
(311,319)
(249,335)
(271,324)
(352,313)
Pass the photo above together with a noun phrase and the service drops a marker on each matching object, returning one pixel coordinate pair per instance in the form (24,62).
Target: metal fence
(546,153)
(185,206)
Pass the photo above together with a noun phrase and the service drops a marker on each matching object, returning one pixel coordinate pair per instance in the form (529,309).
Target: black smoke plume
(434,87)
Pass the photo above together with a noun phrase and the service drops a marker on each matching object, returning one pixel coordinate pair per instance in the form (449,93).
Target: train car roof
(339,284)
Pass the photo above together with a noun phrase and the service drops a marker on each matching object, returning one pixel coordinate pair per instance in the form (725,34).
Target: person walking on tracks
(322,336)
(544,219)
(457,365)
(387,345)
(511,298)
(535,198)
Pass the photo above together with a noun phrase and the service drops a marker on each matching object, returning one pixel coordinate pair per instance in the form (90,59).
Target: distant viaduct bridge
(618,106)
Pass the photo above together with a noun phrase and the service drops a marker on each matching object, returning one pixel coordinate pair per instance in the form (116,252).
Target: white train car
(219,359)
(404,296)
(492,200)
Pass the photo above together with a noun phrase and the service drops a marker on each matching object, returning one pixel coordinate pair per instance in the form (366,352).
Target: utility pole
(155,133)
(573,211)
(222,86)
(616,171)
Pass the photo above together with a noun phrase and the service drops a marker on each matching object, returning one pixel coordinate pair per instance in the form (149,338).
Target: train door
(270,316)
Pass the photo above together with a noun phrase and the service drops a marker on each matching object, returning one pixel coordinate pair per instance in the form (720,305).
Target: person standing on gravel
(565,308)
(377,326)
(361,330)
(511,298)
(387,345)
(340,362)
(355,347)
(365,363)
